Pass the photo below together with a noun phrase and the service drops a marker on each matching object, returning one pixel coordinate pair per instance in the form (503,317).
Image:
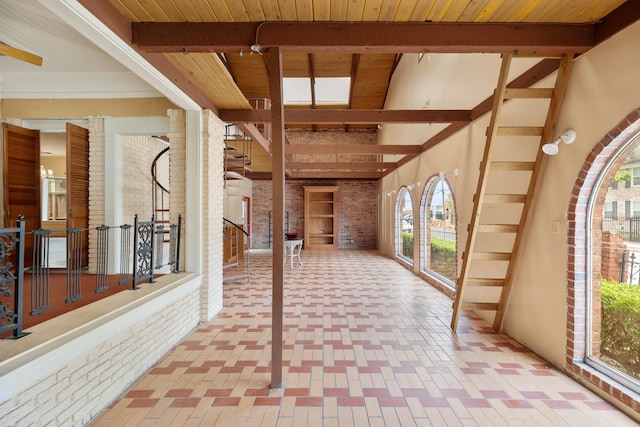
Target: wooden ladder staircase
(510,173)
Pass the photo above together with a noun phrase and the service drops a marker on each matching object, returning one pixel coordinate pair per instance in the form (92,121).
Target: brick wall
(357,211)
(357,200)
(70,383)
(300,136)
(611,252)
(136,182)
(577,286)
(213,199)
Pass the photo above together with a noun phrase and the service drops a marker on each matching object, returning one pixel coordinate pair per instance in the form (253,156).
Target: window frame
(425,240)
(608,170)
(399,222)
(579,271)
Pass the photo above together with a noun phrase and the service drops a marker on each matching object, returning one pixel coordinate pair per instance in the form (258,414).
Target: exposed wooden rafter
(341,165)
(364,37)
(338,116)
(350,149)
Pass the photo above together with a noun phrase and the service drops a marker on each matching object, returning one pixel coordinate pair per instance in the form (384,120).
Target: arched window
(439,237)
(404,226)
(603,279)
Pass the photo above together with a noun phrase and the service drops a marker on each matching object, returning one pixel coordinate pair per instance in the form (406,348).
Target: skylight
(328,90)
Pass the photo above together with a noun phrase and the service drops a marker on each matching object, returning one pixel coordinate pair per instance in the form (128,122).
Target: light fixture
(453,172)
(551,149)
(414,185)
(391,192)
(256,48)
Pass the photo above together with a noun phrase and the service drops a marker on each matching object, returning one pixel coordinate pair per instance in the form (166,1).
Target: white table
(290,246)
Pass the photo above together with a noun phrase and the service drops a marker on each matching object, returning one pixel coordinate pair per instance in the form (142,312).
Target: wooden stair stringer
(498,101)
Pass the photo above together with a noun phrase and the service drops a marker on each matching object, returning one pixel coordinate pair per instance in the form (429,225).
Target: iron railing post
(177,265)
(19,292)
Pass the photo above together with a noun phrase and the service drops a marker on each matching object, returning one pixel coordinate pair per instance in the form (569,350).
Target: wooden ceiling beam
(335,175)
(364,37)
(339,116)
(351,149)
(625,15)
(340,165)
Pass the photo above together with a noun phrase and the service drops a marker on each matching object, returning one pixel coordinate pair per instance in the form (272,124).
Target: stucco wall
(603,89)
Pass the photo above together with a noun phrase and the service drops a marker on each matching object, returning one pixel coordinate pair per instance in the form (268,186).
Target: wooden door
(78,184)
(21,174)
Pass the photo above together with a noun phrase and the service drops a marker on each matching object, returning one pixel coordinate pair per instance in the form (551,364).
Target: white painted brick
(58,401)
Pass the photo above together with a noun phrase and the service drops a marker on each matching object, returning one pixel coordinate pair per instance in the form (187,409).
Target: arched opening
(404,226)
(439,235)
(603,307)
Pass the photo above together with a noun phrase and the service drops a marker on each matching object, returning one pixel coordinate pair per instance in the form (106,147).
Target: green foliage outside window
(407,244)
(443,258)
(620,334)
(622,175)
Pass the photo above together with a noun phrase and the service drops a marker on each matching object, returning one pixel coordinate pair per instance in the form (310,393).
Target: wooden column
(277,150)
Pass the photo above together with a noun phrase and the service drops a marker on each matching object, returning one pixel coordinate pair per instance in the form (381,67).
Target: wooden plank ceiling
(205,47)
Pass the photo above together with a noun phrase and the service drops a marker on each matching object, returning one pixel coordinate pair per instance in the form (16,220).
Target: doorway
(39,187)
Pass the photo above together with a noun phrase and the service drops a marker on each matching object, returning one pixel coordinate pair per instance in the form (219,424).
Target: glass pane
(615,310)
(296,90)
(332,90)
(440,227)
(405,216)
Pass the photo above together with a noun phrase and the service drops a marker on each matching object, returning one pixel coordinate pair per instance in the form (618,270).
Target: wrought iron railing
(149,255)
(12,279)
(627,228)
(630,268)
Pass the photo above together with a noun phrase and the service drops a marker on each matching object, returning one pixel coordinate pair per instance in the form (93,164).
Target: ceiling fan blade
(20,54)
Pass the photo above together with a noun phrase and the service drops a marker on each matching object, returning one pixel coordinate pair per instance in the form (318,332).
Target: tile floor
(367,343)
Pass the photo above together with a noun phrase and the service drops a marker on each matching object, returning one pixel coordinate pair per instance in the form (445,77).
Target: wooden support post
(278,180)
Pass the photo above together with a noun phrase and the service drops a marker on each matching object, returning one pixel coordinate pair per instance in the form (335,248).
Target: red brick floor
(367,343)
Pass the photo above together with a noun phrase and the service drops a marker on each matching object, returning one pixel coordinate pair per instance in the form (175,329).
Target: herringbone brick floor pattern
(366,343)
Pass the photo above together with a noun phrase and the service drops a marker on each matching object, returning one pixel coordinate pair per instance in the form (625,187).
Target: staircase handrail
(235,225)
(153,169)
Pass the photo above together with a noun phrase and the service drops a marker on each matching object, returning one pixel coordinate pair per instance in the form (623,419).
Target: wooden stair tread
(528,93)
(492,306)
(498,228)
(491,256)
(485,282)
(505,198)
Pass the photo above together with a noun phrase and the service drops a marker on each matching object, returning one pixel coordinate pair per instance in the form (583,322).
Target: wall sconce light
(551,149)
(414,185)
(453,172)
(391,192)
